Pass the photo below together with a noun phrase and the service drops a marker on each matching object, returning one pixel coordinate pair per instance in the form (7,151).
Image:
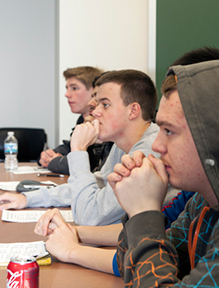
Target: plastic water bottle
(11,150)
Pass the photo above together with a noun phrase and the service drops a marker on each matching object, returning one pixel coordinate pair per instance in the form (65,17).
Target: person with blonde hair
(79,91)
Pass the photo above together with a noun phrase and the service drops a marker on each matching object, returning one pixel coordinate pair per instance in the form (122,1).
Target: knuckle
(117,166)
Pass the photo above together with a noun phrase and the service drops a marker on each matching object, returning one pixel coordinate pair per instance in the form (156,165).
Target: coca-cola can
(23,272)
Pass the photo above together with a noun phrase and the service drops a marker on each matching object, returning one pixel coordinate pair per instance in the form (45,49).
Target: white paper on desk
(11,185)
(8,250)
(31,215)
(30,169)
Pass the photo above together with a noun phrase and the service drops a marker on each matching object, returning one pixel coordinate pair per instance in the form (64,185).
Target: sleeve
(54,165)
(59,165)
(171,211)
(90,204)
(56,197)
(153,258)
(115,266)
(64,148)
(149,259)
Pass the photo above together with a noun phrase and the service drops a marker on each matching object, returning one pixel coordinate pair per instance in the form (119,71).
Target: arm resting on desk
(95,235)
(12,201)
(63,242)
(58,196)
(39,198)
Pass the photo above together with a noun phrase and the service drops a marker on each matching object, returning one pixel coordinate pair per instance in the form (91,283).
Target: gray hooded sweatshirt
(147,255)
(91,197)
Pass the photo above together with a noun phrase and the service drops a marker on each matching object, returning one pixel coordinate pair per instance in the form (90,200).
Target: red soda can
(23,272)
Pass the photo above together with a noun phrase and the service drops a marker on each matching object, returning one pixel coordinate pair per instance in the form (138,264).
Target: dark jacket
(147,255)
(97,154)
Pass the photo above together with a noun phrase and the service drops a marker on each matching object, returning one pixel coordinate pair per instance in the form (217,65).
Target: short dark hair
(85,74)
(198,55)
(95,80)
(136,86)
(192,57)
(168,85)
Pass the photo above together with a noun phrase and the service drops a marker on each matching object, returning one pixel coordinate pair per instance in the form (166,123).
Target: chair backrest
(31,142)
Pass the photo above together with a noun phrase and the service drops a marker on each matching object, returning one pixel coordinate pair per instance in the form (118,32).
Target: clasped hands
(139,183)
(63,240)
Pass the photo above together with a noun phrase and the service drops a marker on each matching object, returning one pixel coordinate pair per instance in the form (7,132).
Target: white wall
(109,34)
(40,39)
(27,65)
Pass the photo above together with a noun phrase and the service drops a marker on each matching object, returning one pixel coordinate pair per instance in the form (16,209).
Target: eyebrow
(71,85)
(102,99)
(164,123)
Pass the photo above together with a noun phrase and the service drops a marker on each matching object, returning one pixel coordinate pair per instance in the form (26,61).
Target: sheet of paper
(11,185)
(8,250)
(25,216)
(30,169)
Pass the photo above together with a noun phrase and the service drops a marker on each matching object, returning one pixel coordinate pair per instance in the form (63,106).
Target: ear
(135,110)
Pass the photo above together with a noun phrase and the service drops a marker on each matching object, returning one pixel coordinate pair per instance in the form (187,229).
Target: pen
(51,175)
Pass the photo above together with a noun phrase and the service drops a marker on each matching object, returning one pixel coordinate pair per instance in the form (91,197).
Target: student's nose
(159,144)
(96,112)
(67,94)
(92,103)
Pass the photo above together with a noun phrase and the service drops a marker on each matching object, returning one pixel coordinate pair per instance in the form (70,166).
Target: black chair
(31,142)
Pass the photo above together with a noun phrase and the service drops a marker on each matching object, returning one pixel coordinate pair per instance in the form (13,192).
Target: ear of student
(135,110)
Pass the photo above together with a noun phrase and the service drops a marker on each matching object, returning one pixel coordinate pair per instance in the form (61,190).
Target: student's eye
(105,105)
(74,88)
(168,132)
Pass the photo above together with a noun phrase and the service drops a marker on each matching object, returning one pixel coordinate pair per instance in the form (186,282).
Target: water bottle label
(11,148)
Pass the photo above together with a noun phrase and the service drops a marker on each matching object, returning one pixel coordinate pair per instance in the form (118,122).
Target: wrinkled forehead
(170,109)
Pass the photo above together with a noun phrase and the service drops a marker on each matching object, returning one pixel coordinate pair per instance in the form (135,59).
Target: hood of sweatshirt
(198,88)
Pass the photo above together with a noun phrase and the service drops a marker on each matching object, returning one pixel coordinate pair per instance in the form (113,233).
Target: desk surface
(58,274)
(10,176)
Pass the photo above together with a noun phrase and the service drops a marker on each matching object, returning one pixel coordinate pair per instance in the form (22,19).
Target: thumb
(72,228)
(5,205)
(113,178)
(96,125)
(159,167)
(58,221)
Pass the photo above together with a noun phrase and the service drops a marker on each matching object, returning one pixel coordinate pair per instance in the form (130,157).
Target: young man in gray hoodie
(187,255)
(127,101)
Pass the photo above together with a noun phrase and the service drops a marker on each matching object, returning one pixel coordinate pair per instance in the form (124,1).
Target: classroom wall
(27,65)
(109,34)
(40,39)
(184,25)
